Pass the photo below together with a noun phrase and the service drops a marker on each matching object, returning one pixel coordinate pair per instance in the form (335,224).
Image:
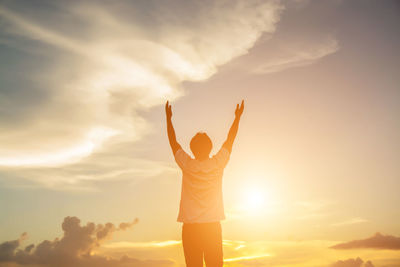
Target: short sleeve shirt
(201,195)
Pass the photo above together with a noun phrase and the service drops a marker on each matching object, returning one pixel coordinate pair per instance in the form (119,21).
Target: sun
(254,200)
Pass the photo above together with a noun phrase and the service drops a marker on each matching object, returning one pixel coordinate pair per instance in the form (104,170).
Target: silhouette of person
(201,206)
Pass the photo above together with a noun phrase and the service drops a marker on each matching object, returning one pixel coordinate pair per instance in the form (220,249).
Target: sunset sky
(314,175)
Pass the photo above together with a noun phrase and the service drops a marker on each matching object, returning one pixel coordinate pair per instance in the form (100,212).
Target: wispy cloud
(109,63)
(100,167)
(350,222)
(250,257)
(291,55)
(151,244)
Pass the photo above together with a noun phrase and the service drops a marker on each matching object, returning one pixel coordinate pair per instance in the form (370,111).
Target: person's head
(201,145)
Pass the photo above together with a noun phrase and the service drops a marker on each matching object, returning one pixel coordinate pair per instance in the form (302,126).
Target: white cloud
(129,71)
(109,64)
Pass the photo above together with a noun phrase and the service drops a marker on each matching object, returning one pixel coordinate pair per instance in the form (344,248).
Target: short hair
(201,144)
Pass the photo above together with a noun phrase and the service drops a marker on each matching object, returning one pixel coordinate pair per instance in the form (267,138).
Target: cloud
(98,65)
(100,167)
(247,258)
(350,222)
(120,70)
(152,244)
(352,263)
(378,241)
(7,248)
(291,55)
(75,248)
(254,253)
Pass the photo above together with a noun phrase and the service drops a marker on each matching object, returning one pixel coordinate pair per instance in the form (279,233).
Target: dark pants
(200,239)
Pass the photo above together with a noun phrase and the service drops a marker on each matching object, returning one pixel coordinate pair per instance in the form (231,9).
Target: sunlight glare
(253,200)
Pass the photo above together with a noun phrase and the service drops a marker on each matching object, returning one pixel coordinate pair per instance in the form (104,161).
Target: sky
(86,171)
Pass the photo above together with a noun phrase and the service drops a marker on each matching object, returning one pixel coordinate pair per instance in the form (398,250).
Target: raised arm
(170,128)
(234,128)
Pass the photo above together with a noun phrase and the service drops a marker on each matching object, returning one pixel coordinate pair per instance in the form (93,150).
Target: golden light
(254,200)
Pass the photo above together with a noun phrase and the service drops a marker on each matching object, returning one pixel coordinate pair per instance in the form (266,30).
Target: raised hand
(168,110)
(239,109)
(170,129)
(234,128)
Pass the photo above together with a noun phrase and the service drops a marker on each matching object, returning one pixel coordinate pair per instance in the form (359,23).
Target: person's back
(201,196)
(201,206)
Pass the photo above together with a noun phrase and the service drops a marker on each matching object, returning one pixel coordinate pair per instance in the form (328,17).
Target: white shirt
(201,195)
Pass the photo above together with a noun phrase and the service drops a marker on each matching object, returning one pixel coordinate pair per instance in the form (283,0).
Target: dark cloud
(378,241)
(7,248)
(74,248)
(352,263)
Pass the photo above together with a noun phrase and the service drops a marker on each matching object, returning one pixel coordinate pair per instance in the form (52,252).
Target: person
(201,205)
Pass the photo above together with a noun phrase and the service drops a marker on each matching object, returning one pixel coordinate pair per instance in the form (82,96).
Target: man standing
(201,206)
